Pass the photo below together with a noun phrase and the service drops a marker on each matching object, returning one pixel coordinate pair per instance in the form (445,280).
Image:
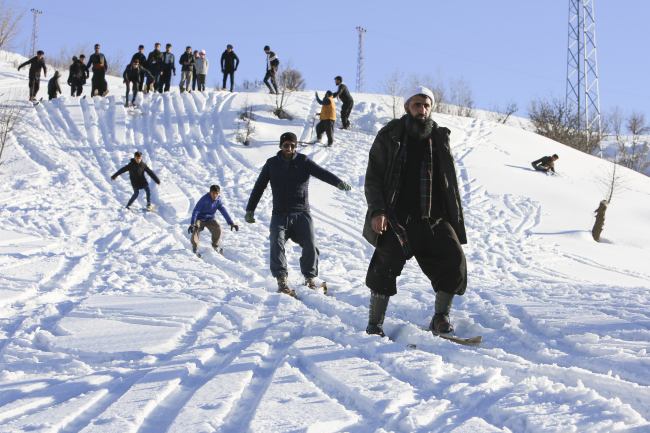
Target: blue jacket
(289,183)
(206,208)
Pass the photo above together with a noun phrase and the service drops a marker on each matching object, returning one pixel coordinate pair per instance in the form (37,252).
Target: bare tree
(245,125)
(499,115)
(286,86)
(63,59)
(116,64)
(292,78)
(12,112)
(611,181)
(461,98)
(634,149)
(11,16)
(391,89)
(551,118)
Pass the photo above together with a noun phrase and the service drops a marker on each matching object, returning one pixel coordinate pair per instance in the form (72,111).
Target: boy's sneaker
(196,253)
(148,206)
(311,283)
(218,250)
(105,93)
(440,324)
(283,287)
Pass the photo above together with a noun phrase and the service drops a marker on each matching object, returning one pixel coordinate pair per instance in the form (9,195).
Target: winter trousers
(99,81)
(201,79)
(232,79)
(77,87)
(326,126)
(540,167)
(213,227)
(436,249)
(141,83)
(155,71)
(51,96)
(300,229)
(194,77)
(34,85)
(135,86)
(186,78)
(346,109)
(270,75)
(165,81)
(136,193)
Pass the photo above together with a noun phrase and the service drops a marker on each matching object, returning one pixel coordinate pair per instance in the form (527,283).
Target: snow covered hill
(108,323)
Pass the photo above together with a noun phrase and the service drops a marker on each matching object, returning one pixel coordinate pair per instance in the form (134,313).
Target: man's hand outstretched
(343,186)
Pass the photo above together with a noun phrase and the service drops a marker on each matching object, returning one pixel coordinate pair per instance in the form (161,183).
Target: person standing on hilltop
(99,67)
(137,168)
(196,57)
(154,65)
(289,174)
(327,118)
(201,64)
(272,64)
(35,65)
(344,95)
(142,60)
(228,66)
(414,210)
(187,60)
(168,66)
(134,74)
(78,75)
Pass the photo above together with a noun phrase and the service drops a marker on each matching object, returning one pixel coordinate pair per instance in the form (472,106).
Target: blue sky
(506,50)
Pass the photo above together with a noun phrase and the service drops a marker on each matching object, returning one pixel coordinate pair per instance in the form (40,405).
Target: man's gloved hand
(344,186)
(192,228)
(250,217)
(234,226)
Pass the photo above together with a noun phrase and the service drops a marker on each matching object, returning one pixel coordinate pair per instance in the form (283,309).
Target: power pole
(582,66)
(361,67)
(35,33)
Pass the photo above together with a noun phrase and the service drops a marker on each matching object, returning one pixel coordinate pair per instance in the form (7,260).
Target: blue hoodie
(206,208)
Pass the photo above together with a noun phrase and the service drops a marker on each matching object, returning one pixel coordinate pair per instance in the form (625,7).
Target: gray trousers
(213,227)
(186,77)
(300,229)
(326,126)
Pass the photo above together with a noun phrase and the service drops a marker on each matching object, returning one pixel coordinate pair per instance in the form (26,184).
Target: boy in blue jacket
(203,217)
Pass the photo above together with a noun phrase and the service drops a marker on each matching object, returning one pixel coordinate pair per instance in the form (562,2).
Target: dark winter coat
(35,67)
(343,94)
(206,208)
(228,61)
(140,57)
(546,161)
(54,86)
(154,59)
(289,185)
(187,58)
(133,75)
(379,174)
(136,172)
(98,61)
(78,70)
(171,66)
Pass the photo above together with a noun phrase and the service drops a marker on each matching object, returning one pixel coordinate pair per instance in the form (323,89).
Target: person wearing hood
(137,169)
(228,66)
(201,64)
(154,61)
(35,65)
(134,73)
(54,86)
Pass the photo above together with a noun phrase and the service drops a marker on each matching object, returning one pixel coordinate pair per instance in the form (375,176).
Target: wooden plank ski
(154,208)
(472,341)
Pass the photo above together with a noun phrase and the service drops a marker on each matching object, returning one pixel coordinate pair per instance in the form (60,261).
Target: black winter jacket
(97,59)
(379,174)
(136,172)
(187,58)
(290,187)
(228,61)
(142,59)
(133,74)
(54,86)
(78,71)
(35,66)
(154,60)
(343,94)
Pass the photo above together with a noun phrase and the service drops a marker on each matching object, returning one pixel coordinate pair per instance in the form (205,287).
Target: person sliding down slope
(203,217)
(134,73)
(289,174)
(137,169)
(545,163)
(414,210)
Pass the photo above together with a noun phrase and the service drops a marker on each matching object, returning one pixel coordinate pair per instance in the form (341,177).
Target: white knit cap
(418,90)
(203,52)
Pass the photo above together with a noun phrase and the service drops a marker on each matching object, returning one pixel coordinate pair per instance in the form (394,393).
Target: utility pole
(35,34)
(361,67)
(582,66)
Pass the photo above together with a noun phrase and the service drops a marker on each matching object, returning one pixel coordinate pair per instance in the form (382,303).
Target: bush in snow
(11,16)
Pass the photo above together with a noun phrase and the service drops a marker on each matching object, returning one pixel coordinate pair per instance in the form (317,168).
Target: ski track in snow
(111,324)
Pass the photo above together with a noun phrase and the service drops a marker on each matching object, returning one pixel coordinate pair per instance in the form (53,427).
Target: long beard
(419,128)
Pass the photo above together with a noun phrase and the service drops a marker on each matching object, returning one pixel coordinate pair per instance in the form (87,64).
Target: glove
(250,217)
(344,186)
(191,229)
(234,226)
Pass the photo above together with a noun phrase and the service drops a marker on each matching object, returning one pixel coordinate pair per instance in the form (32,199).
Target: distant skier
(327,117)
(203,217)
(99,68)
(137,169)
(201,64)
(229,64)
(134,73)
(77,76)
(289,174)
(414,209)
(54,86)
(344,95)
(545,163)
(272,64)
(168,66)
(142,61)
(35,65)
(196,57)
(187,60)
(154,65)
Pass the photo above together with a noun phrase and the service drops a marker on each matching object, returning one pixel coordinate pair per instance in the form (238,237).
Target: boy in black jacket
(134,73)
(35,65)
(137,169)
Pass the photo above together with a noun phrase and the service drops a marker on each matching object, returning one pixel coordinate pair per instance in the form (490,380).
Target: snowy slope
(110,324)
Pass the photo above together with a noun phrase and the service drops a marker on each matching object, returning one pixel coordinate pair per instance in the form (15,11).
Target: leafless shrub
(634,149)
(11,16)
(286,86)
(116,64)
(292,78)
(245,125)
(499,115)
(390,92)
(12,111)
(253,84)
(551,118)
(461,98)
(611,181)
(62,60)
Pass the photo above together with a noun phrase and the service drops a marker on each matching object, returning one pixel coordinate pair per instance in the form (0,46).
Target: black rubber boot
(440,322)
(376,314)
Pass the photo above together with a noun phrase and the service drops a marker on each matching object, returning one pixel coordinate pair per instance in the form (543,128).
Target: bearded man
(414,210)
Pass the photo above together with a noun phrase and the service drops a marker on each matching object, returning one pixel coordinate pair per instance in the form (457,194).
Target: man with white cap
(414,210)
(201,64)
